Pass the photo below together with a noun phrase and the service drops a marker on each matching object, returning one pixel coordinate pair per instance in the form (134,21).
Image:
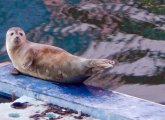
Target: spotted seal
(49,62)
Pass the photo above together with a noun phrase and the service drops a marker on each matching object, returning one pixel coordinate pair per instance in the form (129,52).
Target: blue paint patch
(102,104)
(52,115)
(14,115)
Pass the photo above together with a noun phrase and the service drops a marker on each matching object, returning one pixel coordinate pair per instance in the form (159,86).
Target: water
(99,29)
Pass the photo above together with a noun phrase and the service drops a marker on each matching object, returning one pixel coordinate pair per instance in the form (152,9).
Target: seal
(49,62)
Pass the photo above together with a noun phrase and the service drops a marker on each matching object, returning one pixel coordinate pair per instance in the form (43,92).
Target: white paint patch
(5,109)
(37,107)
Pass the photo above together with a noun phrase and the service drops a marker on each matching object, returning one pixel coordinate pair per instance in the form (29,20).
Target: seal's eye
(11,33)
(21,34)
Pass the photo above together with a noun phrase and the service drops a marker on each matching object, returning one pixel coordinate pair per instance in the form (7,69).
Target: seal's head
(15,36)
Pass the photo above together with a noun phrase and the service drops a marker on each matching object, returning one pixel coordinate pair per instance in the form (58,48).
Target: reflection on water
(125,31)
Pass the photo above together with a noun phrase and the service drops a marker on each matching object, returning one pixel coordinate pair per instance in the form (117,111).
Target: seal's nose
(16,39)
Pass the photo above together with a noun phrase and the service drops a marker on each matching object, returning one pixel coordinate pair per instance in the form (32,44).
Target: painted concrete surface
(37,110)
(105,105)
(9,113)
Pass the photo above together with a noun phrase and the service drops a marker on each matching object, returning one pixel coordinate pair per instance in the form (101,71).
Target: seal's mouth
(17,39)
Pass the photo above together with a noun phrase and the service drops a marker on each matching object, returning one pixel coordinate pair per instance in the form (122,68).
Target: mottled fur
(48,62)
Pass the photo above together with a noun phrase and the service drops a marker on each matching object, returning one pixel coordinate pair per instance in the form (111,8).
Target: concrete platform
(38,110)
(102,104)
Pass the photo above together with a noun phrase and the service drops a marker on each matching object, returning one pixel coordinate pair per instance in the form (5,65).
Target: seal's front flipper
(27,65)
(14,71)
(28,60)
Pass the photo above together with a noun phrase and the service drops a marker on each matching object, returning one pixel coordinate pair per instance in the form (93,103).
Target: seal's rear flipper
(96,65)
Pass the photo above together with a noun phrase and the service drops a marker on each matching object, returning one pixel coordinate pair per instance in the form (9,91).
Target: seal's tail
(96,65)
